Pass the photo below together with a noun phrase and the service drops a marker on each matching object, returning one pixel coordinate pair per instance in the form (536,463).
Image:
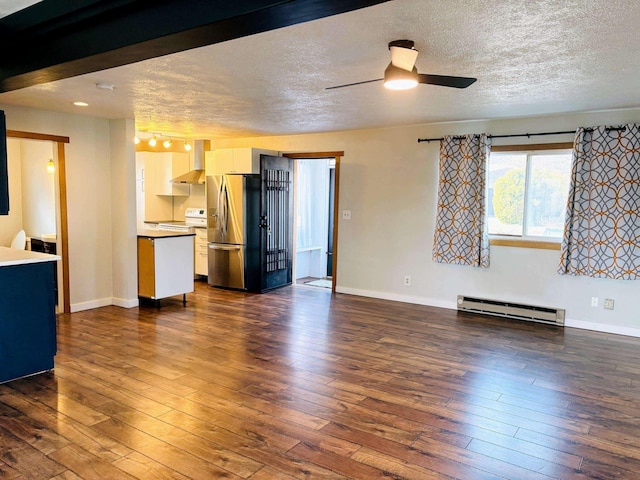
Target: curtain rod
(524,134)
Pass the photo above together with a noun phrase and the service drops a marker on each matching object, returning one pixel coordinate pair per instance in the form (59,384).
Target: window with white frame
(527,193)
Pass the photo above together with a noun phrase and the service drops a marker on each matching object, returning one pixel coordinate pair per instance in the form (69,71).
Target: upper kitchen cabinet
(160,168)
(225,161)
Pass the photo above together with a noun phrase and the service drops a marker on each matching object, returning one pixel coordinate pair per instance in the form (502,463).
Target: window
(527,193)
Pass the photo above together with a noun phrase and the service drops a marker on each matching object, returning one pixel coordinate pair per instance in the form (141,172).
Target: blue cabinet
(27,319)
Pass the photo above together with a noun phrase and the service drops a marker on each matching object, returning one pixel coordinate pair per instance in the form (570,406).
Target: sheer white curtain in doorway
(311,185)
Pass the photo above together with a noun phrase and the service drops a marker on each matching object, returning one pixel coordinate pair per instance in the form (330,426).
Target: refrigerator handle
(225,247)
(221,209)
(226,210)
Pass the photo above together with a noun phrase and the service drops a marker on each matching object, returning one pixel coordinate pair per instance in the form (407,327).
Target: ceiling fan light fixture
(399,79)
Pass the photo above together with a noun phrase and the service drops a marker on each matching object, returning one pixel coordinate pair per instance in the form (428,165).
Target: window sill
(520,243)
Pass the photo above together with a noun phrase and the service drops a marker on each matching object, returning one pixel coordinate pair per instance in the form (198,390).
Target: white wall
(196,199)
(140,186)
(12,223)
(88,169)
(123,213)
(38,188)
(389,182)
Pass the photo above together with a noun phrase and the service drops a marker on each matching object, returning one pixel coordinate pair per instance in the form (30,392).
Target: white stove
(193,218)
(196,217)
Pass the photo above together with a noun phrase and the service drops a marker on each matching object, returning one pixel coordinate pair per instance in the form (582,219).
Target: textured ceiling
(530,58)
(7,7)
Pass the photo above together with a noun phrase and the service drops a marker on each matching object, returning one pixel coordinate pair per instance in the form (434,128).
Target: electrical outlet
(594,302)
(608,303)
(407,280)
(346,214)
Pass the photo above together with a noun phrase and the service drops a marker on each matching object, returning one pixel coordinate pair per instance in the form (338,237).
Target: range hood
(197,175)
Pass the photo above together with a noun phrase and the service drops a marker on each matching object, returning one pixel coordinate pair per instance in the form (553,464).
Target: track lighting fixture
(153,139)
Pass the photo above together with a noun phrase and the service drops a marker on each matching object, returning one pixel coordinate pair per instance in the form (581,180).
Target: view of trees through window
(527,193)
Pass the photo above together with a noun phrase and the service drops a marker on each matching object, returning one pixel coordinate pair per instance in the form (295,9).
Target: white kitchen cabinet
(234,160)
(201,260)
(160,168)
(165,264)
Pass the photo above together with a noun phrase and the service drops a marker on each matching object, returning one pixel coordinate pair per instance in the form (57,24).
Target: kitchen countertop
(13,256)
(163,233)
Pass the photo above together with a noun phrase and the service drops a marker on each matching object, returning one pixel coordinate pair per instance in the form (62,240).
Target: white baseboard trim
(104,302)
(125,303)
(601,327)
(431,302)
(79,307)
(434,302)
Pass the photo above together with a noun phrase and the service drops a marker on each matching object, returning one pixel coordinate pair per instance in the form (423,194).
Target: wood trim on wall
(508,242)
(37,136)
(532,146)
(64,233)
(337,155)
(336,217)
(62,192)
(314,155)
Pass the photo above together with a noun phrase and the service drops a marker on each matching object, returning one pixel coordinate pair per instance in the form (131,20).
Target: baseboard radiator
(518,311)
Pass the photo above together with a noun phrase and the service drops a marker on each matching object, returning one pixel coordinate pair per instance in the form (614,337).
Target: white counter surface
(163,233)
(13,256)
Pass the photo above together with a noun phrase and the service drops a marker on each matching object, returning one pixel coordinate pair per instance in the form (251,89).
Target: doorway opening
(315,226)
(44,200)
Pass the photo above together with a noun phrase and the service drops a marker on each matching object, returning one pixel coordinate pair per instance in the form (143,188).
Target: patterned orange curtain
(461,227)
(602,224)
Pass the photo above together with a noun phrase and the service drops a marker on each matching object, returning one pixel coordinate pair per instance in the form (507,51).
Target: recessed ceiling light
(81,104)
(104,86)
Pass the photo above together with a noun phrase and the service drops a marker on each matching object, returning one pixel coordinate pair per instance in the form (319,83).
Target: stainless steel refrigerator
(233,231)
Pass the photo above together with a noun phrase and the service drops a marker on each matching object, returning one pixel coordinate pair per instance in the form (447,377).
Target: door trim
(337,155)
(62,193)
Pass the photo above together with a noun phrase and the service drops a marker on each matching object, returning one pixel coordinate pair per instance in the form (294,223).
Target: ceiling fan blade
(445,81)
(356,83)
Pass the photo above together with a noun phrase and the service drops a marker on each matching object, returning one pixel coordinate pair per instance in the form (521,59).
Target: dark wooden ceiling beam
(57,39)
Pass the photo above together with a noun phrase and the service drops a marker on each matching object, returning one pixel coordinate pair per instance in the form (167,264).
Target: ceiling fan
(401,74)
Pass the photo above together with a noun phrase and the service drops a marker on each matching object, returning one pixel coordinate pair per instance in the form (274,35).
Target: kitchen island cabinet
(27,313)
(165,264)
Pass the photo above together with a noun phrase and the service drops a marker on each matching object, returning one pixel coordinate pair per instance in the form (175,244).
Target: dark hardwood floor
(298,383)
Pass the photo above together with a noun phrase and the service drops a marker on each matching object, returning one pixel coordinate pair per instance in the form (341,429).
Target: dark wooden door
(276,221)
